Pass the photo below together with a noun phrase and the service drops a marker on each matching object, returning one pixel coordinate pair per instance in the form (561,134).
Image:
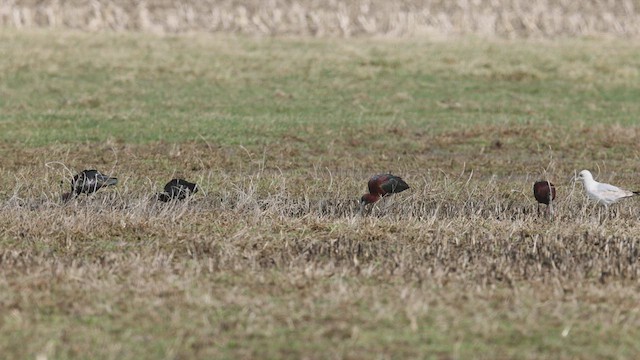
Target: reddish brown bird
(382,185)
(545,193)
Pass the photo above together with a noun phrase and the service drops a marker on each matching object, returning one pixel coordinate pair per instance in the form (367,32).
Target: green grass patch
(73,87)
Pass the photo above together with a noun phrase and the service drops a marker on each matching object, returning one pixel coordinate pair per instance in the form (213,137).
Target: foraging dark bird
(177,189)
(87,182)
(382,185)
(545,193)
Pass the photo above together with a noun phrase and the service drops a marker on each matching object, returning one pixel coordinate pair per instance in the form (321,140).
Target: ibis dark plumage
(382,185)
(87,182)
(544,192)
(178,189)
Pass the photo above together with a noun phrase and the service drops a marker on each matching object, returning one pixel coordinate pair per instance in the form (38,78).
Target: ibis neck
(371,198)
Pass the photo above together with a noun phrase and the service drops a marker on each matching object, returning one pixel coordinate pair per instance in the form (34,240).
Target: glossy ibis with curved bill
(382,185)
(605,194)
(87,182)
(178,189)
(545,193)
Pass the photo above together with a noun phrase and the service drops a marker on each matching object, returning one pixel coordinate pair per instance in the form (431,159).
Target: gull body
(605,194)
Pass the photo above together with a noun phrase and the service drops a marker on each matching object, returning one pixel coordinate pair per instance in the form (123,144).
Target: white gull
(602,193)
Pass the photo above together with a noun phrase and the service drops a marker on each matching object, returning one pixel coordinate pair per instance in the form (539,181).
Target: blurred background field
(281,111)
(501,18)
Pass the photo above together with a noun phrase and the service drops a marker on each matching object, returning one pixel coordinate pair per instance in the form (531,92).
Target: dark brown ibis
(87,182)
(178,189)
(545,193)
(382,185)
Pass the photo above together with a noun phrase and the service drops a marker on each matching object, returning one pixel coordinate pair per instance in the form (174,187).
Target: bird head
(67,196)
(367,199)
(584,175)
(163,196)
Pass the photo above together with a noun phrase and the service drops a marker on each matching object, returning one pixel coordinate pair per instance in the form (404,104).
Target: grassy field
(270,259)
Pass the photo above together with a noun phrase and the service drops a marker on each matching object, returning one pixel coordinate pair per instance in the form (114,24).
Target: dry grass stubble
(248,262)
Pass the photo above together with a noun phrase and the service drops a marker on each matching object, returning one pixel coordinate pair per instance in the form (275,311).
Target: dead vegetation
(506,18)
(251,254)
(275,257)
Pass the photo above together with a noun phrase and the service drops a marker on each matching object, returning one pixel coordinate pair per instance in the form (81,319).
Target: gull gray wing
(612,190)
(610,194)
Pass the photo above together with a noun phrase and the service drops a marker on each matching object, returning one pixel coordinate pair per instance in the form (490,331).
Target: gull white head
(585,176)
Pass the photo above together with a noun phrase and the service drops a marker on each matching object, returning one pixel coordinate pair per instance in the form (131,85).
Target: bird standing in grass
(545,193)
(382,185)
(178,189)
(87,182)
(605,194)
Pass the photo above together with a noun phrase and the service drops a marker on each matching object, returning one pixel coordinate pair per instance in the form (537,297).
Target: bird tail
(636,192)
